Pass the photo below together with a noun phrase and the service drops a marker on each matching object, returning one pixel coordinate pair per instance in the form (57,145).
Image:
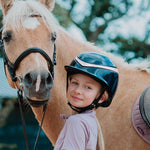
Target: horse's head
(29,42)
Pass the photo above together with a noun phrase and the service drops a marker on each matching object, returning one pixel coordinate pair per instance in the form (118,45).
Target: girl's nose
(78,90)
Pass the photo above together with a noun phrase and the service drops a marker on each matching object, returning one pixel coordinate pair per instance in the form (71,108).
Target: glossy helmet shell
(98,67)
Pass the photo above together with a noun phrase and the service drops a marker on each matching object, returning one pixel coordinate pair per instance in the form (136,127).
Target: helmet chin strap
(94,104)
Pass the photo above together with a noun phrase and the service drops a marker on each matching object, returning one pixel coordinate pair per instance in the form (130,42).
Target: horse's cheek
(9,78)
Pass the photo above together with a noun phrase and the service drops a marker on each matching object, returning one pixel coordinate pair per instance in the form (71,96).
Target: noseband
(13,67)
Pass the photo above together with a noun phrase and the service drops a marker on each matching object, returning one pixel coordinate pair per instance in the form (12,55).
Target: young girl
(91,82)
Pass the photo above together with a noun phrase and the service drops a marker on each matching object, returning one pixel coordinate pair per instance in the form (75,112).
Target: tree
(97,15)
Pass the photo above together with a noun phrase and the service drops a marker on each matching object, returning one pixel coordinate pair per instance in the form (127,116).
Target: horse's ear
(49,4)
(9,78)
(6,5)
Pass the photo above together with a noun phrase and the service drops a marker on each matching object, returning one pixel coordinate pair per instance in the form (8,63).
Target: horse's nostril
(49,80)
(28,79)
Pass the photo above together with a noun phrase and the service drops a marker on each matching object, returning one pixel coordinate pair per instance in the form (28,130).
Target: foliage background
(118,26)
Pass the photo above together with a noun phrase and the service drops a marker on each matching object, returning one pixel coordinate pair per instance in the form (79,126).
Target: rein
(20,99)
(12,71)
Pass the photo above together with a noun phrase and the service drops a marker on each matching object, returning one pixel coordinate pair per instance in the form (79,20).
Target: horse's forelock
(21,10)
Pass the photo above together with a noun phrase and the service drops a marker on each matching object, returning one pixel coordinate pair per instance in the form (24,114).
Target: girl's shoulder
(86,117)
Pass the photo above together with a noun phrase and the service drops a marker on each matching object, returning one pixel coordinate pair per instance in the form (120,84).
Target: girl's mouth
(76,98)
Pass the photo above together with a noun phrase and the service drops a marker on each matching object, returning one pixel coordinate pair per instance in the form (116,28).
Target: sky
(5,89)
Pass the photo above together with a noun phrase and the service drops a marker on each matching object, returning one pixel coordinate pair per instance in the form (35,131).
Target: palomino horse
(29,25)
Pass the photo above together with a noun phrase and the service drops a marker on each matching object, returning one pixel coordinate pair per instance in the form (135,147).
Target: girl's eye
(88,87)
(74,83)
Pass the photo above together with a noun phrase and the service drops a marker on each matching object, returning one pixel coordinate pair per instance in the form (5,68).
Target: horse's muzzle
(37,87)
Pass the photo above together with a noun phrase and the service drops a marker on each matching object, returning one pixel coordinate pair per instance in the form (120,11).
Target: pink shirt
(79,133)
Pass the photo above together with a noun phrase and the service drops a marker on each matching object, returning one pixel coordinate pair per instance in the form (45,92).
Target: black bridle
(12,67)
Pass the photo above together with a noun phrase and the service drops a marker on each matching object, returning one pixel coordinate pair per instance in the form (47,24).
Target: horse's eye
(7,36)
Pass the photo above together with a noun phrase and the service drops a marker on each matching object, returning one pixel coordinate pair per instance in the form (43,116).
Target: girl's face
(82,90)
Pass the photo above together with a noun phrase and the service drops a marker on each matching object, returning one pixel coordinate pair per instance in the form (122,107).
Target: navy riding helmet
(100,68)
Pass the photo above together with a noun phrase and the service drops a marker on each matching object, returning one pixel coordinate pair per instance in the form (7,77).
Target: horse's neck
(70,46)
(67,46)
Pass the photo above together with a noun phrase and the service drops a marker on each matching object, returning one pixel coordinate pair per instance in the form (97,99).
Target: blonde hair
(100,139)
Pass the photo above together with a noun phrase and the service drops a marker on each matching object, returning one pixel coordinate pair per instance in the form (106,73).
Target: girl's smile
(76,98)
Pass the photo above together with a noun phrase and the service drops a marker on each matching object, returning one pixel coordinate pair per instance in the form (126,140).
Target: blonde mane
(24,10)
(142,66)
